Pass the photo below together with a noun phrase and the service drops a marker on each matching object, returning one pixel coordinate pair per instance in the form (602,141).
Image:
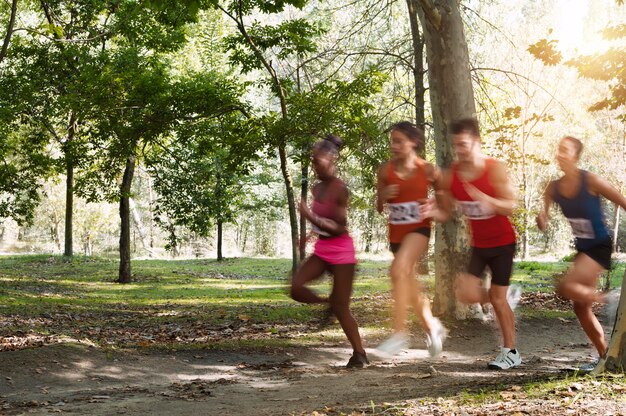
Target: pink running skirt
(336,250)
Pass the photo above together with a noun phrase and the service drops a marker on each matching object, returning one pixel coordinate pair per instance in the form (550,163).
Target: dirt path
(78,379)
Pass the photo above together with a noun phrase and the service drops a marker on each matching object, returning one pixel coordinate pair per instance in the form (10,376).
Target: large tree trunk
(615,359)
(451,97)
(127,180)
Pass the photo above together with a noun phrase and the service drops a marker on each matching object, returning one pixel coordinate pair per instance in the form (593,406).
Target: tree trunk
(293,219)
(615,359)
(451,97)
(127,180)
(369,228)
(304,187)
(69,186)
(69,207)
(418,68)
(7,37)
(420,90)
(219,240)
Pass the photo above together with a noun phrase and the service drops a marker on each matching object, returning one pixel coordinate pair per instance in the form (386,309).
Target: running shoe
(394,344)
(434,340)
(588,367)
(514,295)
(357,360)
(506,359)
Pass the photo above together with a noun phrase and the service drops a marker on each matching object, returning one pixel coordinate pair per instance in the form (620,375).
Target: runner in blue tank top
(578,193)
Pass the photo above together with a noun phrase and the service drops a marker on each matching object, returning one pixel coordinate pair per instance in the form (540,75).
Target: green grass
(78,298)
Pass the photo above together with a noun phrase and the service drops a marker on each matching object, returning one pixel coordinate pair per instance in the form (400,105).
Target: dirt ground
(78,379)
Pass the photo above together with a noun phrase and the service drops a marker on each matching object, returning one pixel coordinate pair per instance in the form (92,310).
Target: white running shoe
(514,295)
(394,344)
(506,359)
(434,340)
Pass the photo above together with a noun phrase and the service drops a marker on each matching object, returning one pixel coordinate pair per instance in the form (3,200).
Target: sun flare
(577,29)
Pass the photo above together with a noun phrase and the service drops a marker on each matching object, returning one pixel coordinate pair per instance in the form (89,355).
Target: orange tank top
(404,214)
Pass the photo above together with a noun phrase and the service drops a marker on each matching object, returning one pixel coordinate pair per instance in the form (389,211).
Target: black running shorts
(500,262)
(601,253)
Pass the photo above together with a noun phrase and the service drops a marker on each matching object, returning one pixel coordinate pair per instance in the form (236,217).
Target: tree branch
(7,38)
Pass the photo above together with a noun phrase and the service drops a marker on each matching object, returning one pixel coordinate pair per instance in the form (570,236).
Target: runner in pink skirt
(334,249)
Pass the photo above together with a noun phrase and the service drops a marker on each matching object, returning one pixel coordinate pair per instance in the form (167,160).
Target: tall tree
(451,98)
(200,178)
(254,48)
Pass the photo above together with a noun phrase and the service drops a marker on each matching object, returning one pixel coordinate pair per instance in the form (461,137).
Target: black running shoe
(357,360)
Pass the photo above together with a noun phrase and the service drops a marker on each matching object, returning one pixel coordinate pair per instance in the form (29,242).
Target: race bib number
(317,230)
(404,213)
(477,210)
(582,228)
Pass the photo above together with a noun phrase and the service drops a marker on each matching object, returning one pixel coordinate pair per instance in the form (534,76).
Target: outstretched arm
(543,218)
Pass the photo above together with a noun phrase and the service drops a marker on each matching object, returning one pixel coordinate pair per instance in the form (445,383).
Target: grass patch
(196,301)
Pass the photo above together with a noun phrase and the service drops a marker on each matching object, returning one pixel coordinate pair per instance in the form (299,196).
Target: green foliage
(570,257)
(264,6)
(294,37)
(200,178)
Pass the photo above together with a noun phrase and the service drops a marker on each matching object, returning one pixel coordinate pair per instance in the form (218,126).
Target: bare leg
(406,288)
(591,326)
(506,319)
(343,277)
(579,285)
(311,269)
(580,282)
(469,290)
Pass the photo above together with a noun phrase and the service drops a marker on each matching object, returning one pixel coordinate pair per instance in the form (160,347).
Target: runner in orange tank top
(403,184)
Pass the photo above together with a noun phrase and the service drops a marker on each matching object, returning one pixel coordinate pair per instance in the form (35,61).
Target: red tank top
(404,209)
(488,228)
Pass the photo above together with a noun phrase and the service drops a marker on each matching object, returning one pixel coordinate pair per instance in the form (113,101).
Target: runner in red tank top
(403,184)
(481,186)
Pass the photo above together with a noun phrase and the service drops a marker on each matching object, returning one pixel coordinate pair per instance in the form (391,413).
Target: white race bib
(317,230)
(477,210)
(582,228)
(404,213)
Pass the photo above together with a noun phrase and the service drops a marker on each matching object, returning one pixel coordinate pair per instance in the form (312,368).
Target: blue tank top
(584,214)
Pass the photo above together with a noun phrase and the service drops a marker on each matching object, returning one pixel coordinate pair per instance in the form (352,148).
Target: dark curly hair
(330,143)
